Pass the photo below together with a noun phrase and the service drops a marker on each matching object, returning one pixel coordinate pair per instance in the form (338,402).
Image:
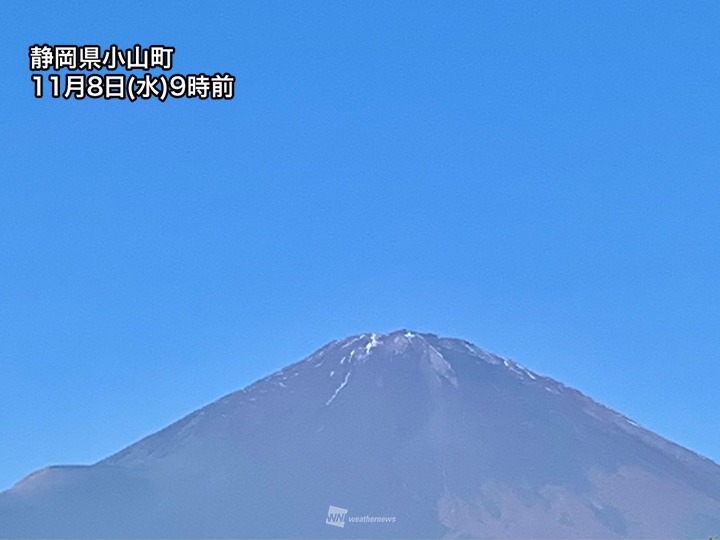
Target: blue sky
(538,178)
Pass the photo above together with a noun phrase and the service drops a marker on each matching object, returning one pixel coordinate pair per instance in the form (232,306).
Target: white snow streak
(353,340)
(337,390)
(441,366)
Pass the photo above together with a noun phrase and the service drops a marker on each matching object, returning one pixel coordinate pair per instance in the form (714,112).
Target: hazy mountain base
(449,439)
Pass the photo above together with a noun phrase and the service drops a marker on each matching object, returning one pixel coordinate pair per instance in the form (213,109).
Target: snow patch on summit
(371,344)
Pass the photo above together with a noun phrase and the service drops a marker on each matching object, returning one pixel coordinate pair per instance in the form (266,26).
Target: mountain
(405,435)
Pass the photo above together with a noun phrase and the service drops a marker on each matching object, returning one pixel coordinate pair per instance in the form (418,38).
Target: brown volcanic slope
(448,439)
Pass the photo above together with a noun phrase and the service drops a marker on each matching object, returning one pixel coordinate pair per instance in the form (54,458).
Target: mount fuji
(404,435)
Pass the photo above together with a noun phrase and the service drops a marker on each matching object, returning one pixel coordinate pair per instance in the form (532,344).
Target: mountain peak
(358,349)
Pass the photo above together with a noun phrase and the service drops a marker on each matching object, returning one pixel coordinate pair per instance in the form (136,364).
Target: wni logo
(336,516)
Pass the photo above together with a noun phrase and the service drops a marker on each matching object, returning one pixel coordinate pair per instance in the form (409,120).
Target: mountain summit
(385,436)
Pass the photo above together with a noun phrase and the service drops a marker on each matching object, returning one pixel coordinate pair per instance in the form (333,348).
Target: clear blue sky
(539,178)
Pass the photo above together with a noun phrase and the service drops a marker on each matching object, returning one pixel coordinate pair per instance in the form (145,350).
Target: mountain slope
(445,438)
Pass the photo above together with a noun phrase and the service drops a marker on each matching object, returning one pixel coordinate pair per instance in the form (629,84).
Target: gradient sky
(539,178)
